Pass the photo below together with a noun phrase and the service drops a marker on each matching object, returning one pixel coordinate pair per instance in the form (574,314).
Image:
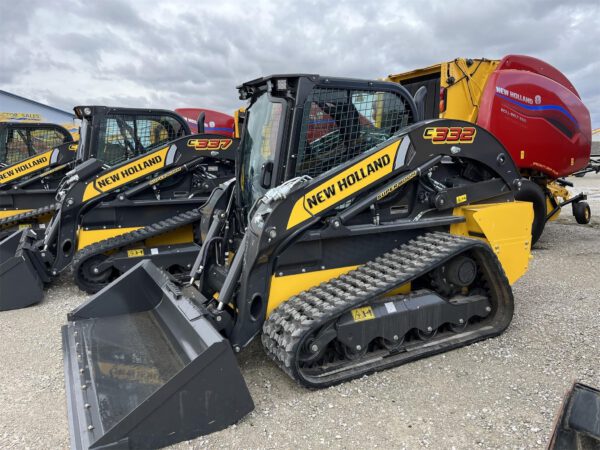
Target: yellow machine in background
(459,85)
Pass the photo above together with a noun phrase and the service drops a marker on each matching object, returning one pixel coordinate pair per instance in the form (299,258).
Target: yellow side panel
(12,212)
(464,95)
(404,289)
(507,229)
(408,76)
(88,237)
(181,235)
(282,288)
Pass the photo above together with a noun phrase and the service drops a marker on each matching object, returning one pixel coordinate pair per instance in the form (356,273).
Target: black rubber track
(33,214)
(303,315)
(149,231)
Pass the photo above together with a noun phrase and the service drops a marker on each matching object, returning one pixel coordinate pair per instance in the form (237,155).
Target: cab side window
(123,137)
(42,140)
(16,146)
(339,124)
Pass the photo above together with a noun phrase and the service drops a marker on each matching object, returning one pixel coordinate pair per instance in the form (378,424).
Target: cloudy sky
(176,53)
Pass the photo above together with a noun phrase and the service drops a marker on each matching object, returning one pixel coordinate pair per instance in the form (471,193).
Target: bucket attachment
(22,275)
(578,424)
(145,368)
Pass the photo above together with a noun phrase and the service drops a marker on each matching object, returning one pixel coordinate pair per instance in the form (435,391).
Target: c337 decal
(210,144)
(450,135)
(25,167)
(121,175)
(344,184)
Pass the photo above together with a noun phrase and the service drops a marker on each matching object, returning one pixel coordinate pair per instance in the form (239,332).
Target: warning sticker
(461,198)
(364,313)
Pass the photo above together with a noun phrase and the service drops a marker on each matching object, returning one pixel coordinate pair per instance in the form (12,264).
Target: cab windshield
(260,140)
(83,132)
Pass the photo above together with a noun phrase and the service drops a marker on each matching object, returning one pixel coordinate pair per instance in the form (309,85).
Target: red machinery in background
(531,108)
(215,122)
(538,115)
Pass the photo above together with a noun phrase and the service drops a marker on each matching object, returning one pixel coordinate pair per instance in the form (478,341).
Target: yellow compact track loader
(137,196)
(20,141)
(33,160)
(350,241)
(110,135)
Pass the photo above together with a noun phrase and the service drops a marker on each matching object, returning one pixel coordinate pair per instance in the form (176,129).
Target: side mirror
(267,174)
(201,122)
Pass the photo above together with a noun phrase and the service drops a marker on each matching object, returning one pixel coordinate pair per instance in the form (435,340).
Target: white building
(14,108)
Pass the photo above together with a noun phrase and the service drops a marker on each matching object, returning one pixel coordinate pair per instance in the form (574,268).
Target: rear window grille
(22,143)
(123,137)
(340,124)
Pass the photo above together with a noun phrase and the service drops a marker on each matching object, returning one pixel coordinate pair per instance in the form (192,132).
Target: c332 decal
(450,135)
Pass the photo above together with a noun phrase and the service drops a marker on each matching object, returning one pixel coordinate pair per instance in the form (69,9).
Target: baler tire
(582,212)
(532,192)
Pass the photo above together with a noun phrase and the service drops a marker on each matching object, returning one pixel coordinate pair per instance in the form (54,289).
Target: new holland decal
(125,174)
(339,187)
(210,144)
(24,167)
(450,135)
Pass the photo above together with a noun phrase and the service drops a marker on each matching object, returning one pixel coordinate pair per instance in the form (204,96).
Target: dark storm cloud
(169,54)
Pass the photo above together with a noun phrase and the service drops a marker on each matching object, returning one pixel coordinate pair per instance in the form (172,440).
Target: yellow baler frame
(463,96)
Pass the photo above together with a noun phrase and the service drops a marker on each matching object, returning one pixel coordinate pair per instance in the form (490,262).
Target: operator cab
(304,125)
(114,135)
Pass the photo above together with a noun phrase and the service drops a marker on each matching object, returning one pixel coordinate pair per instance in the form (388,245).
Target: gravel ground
(500,393)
